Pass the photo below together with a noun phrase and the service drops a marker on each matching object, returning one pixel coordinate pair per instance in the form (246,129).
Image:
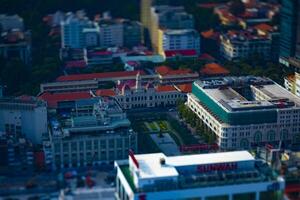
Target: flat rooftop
(150,167)
(239,93)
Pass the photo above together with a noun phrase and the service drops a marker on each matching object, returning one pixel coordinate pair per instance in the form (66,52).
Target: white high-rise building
(72,34)
(111,33)
(181,39)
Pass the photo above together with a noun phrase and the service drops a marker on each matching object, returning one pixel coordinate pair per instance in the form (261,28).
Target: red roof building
(81,77)
(52,99)
(106,92)
(165,88)
(75,64)
(186,53)
(185,88)
(213,69)
(165,71)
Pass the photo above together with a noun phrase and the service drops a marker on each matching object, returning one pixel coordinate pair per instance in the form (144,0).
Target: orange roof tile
(105,92)
(53,98)
(264,27)
(80,77)
(186,88)
(165,71)
(165,88)
(213,69)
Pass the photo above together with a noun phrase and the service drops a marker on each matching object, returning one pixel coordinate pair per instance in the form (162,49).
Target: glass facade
(235,118)
(289,17)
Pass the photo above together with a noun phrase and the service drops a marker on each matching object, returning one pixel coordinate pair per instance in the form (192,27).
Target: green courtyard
(158,123)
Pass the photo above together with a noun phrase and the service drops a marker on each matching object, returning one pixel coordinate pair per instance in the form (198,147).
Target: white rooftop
(150,167)
(211,158)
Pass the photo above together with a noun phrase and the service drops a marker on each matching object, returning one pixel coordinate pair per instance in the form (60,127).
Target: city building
(167,17)
(72,27)
(246,112)
(20,154)
(85,82)
(290,30)
(233,175)
(111,32)
(90,132)
(9,22)
(168,76)
(292,83)
(213,69)
(210,42)
(236,45)
(94,57)
(273,34)
(135,94)
(175,55)
(132,33)
(24,116)
(91,37)
(255,13)
(15,42)
(181,39)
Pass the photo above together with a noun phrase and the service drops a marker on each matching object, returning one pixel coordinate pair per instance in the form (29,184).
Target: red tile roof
(186,88)
(53,98)
(76,64)
(165,71)
(264,27)
(213,69)
(105,92)
(184,52)
(100,53)
(165,88)
(210,34)
(81,77)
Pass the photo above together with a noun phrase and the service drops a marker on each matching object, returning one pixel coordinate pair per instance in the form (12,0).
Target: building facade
(243,44)
(27,117)
(95,131)
(183,39)
(246,112)
(138,95)
(290,28)
(72,27)
(216,176)
(111,33)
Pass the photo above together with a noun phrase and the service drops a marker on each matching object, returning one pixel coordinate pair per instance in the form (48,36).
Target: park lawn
(163,125)
(153,126)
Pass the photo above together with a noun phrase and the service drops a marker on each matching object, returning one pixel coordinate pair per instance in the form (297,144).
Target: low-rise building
(92,131)
(86,82)
(181,39)
(292,83)
(246,112)
(237,45)
(98,57)
(15,42)
(233,175)
(25,116)
(135,94)
(167,75)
